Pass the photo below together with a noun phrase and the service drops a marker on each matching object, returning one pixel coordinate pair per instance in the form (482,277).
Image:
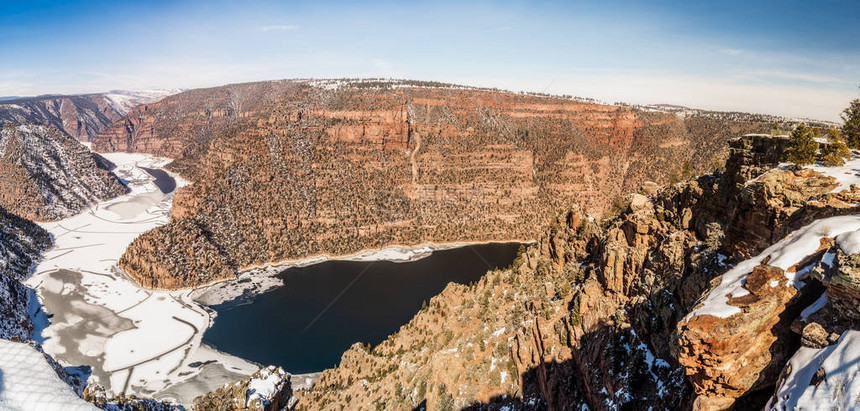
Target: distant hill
(81,116)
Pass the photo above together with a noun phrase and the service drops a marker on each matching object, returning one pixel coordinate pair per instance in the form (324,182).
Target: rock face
(287,170)
(726,358)
(96,395)
(47,175)
(80,116)
(590,315)
(21,242)
(268,389)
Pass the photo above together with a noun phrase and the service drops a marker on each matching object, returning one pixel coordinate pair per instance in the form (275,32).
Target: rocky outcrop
(269,389)
(288,170)
(726,358)
(97,395)
(21,243)
(821,374)
(730,357)
(80,116)
(47,175)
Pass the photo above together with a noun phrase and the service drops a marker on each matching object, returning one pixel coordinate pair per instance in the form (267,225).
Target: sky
(792,58)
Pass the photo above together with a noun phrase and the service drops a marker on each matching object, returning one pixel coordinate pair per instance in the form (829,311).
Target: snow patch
(264,387)
(849,243)
(784,254)
(845,175)
(839,388)
(817,305)
(30,383)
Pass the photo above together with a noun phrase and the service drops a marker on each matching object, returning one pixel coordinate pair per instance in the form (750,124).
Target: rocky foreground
(596,314)
(291,169)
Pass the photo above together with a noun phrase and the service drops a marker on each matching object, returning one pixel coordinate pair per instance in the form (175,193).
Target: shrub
(835,153)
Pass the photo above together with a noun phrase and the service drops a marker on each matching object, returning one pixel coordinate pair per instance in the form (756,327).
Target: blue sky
(796,58)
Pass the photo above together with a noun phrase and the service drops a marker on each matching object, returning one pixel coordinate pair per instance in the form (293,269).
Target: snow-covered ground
(135,340)
(28,382)
(845,175)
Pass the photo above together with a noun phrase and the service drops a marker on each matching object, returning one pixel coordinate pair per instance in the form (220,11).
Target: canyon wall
(286,170)
(21,243)
(47,175)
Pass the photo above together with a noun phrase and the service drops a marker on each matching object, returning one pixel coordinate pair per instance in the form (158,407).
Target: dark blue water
(163,181)
(323,309)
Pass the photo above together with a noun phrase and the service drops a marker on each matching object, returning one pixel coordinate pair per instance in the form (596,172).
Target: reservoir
(321,310)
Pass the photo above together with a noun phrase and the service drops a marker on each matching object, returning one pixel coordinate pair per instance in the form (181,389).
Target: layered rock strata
(287,170)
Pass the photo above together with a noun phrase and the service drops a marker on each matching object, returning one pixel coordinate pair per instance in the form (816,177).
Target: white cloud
(788,75)
(731,52)
(280,27)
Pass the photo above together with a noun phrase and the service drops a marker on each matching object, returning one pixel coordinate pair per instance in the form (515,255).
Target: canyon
(292,169)
(670,263)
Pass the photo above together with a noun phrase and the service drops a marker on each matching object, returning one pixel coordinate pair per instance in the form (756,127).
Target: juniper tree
(851,128)
(801,146)
(835,153)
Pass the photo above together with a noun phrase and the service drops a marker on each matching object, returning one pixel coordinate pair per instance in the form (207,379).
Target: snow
(838,390)
(136,340)
(28,382)
(124,101)
(817,305)
(849,242)
(784,254)
(828,258)
(393,254)
(265,387)
(845,175)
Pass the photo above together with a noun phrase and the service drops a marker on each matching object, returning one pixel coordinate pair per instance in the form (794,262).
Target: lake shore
(256,280)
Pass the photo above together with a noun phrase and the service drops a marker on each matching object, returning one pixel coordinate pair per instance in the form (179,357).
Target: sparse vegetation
(836,151)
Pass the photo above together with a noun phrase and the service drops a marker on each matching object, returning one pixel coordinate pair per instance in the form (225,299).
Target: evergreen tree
(851,128)
(801,146)
(835,153)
